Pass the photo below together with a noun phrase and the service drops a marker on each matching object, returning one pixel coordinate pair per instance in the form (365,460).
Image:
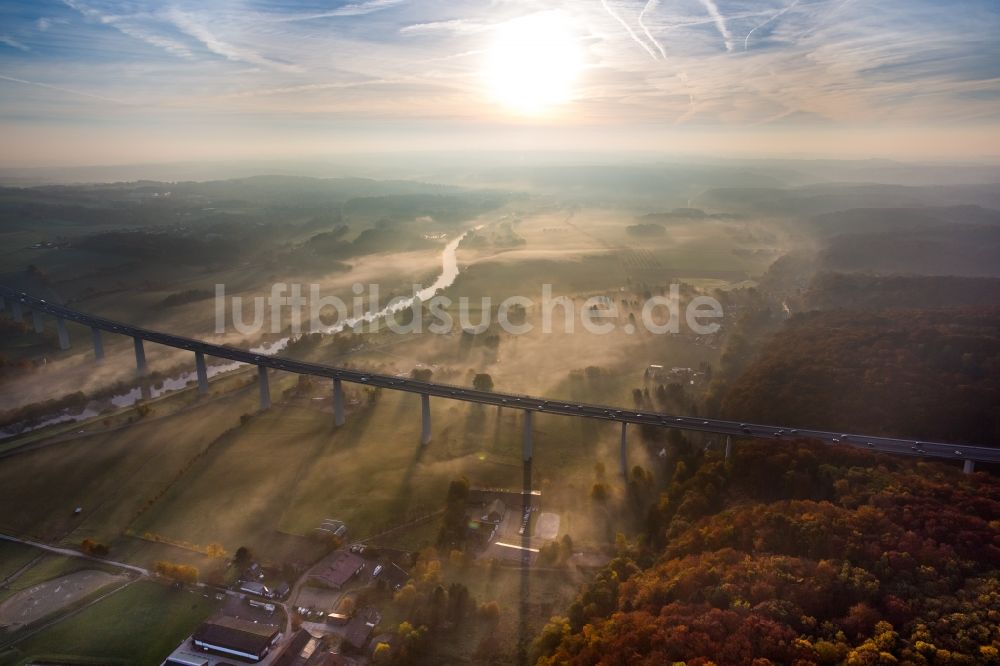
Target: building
(494,511)
(265,606)
(233,637)
(255,588)
(337,570)
(480,533)
(184,657)
(253,572)
(655,372)
(394,576)
(361,627)
(335,527)
(305,650)
(282,591)
(342,612)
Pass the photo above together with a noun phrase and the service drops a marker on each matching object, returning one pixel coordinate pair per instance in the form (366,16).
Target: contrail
(650,6)
(68,91)
(720,22)
(789,7)
(631,33)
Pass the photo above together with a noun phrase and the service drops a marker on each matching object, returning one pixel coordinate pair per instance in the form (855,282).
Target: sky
(87,82)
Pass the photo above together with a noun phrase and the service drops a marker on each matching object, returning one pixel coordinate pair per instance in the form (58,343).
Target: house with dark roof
(304,650)
(255,588)
(337,570)
(233,637)
(182,657)
(394,576)
(361,627)
(494,511)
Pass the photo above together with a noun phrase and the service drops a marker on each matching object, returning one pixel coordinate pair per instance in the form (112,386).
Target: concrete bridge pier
(969,467)
(729,446)
(202,370)
(63,333)
(95,334)
(265,389)
(624,450)
(425,419)
(37,321)
(338,402)
(140,357)
(527,441)
(15,311)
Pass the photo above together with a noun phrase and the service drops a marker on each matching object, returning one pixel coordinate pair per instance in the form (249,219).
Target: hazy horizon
(106,83)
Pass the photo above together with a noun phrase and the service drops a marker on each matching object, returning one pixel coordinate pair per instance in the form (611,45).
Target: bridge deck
(892,445)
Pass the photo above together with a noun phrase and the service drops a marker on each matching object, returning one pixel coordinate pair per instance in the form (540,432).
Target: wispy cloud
(454,26)
(720,22)
(198,28)
(354,9)
(61,89)
(649,7)
(7,40)
(129,25)
(628,29)
(773,18)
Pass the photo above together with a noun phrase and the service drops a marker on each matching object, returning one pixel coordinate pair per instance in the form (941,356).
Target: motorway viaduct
(18,303)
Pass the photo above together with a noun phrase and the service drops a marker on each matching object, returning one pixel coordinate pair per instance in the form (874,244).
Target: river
(449,272)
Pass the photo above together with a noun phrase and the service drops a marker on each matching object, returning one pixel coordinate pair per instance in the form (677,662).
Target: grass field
(278,476)
(236,493)
(288,469)
(13,556)
(110,475)
(139,626)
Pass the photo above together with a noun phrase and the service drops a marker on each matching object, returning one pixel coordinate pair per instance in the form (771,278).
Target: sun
(534,63)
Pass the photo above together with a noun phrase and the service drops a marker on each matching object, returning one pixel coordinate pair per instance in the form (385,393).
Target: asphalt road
(909,447)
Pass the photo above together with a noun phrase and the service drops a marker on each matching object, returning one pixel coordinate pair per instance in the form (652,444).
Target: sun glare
(534,63)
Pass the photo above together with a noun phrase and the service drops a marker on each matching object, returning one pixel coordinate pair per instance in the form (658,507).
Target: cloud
(354,9)
(649,7)
(454,26)
(775,17)
(720,22)
(152,38)
(68,91)
(130,26)
(7,40)
(628,29)
(197,28)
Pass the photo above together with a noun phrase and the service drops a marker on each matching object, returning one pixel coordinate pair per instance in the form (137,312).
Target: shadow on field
(524,611)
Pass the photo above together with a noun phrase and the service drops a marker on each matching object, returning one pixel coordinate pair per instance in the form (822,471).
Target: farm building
(337,570)
(493,512)
(361,627)
(394,576)
(233,637)
(305,650)
(255,588)
(182,657)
